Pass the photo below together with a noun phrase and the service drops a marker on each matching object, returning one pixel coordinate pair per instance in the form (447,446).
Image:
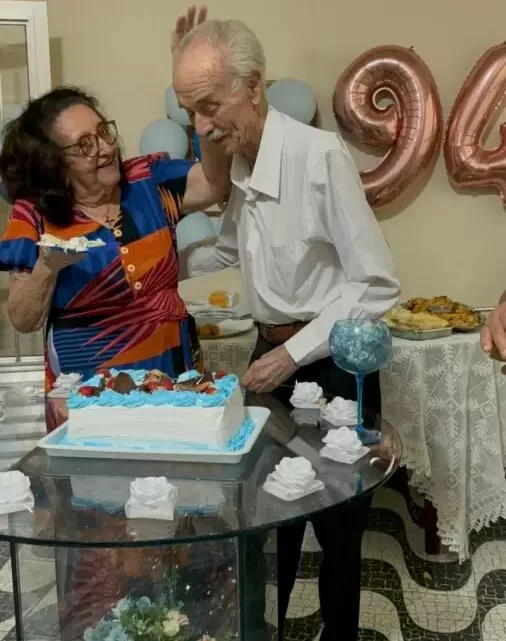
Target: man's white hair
(243,50)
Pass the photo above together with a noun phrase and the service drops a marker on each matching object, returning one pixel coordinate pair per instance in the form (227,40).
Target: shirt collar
(265,177)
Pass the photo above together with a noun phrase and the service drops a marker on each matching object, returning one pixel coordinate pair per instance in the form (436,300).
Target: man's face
(225,114)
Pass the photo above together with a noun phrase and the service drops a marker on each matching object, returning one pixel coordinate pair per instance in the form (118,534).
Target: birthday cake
(137,405)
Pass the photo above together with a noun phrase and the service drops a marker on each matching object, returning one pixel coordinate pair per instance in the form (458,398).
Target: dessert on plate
(404,319)
(209,330)
(457,315)
(75,244)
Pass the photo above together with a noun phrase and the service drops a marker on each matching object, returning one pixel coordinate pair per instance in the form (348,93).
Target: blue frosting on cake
(136,398)
(235,444)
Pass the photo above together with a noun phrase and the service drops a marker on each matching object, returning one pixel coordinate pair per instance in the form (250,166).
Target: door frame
(33,16)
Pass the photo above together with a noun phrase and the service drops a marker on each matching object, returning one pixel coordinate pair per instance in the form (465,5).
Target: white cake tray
(53,446)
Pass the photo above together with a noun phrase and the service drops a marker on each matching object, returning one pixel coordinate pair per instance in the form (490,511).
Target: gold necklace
(111,224)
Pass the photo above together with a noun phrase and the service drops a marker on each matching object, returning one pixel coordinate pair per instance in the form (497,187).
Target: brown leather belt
(278,334)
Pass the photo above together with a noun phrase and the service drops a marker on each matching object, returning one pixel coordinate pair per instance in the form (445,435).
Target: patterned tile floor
(406,594)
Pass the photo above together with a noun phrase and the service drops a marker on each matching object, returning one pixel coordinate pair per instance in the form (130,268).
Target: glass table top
(80,502)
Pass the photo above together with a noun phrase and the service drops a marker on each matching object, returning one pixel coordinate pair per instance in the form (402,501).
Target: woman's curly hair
(32,165)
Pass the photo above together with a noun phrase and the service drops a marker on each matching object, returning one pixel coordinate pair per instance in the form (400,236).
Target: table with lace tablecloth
(231,354)
(447,400)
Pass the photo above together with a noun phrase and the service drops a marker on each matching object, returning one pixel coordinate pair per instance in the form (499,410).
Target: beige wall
(442,242)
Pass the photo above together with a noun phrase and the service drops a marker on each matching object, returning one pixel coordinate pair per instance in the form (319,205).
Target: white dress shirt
(301,230)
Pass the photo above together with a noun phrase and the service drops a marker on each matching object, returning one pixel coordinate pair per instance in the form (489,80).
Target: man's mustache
(216,134)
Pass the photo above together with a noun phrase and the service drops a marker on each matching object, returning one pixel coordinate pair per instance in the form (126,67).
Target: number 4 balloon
(468,163)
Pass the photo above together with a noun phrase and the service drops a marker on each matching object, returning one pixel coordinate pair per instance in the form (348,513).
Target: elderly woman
(115,307)
(119,307)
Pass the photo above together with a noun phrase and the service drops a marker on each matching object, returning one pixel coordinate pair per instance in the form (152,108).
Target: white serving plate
(53,447)
(229,328)
(202,313)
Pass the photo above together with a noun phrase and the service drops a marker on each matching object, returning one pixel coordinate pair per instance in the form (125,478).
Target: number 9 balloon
(468,163)
(409,129)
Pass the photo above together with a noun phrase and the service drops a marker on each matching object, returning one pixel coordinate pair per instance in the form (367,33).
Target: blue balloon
(194,228)
(164,135)
(196,145)
(174,111)
(294,98)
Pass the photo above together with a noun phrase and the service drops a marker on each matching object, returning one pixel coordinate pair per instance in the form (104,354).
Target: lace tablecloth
(231,354)
(447,400)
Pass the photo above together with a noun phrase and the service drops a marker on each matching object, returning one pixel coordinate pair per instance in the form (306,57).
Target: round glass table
(209,574)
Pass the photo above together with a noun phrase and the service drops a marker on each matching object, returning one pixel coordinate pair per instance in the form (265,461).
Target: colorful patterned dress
(119,307)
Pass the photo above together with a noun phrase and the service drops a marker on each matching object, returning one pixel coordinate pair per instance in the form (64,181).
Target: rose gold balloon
(409,130)
(468,163)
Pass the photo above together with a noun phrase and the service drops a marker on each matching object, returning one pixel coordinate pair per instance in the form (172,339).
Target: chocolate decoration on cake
(196,384)
(123,383)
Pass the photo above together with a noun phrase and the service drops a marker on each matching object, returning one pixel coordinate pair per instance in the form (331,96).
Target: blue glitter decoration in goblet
(360,346)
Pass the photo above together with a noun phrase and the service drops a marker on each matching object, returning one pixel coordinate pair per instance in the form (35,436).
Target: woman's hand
(54,260)
(185,23)
(31,293)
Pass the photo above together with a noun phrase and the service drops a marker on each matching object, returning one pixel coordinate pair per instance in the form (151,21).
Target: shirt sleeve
(18,247)
(338,199)
(170,177)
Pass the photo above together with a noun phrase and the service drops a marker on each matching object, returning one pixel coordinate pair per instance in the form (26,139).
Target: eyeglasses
(89,144)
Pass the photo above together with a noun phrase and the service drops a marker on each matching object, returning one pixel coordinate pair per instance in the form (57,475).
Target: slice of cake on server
(198,410)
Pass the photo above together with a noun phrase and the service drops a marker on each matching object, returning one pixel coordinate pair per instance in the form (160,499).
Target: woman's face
(90,148)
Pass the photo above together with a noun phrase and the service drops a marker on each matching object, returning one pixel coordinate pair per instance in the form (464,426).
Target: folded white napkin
(65,384)
(15,492)
(292,479)
(340,412)
(307,396)
(152,497)
(343,446)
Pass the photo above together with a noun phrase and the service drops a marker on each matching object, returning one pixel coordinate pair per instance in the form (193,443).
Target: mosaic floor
(406,595)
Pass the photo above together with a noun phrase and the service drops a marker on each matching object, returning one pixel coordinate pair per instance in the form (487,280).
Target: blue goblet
(361,346)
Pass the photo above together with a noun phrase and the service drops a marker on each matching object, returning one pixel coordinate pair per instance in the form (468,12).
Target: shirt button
(117,233)
(124,250)
(138,285)
(131,268)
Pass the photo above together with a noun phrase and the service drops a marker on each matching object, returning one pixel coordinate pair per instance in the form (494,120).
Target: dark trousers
(338,530)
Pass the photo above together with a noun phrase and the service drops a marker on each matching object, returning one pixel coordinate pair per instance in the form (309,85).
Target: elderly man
(310,252)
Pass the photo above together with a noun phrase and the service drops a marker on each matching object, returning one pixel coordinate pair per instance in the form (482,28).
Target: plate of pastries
(422,318)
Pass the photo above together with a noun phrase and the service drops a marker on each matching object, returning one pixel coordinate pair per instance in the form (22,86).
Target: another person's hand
(269,371)
(185,23)
(54,260)
(493,335)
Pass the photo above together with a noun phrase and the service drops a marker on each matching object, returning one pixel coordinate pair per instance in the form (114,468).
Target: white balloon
(217,222)
(174,111)
(194,228)
(294,98)
(164,135)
